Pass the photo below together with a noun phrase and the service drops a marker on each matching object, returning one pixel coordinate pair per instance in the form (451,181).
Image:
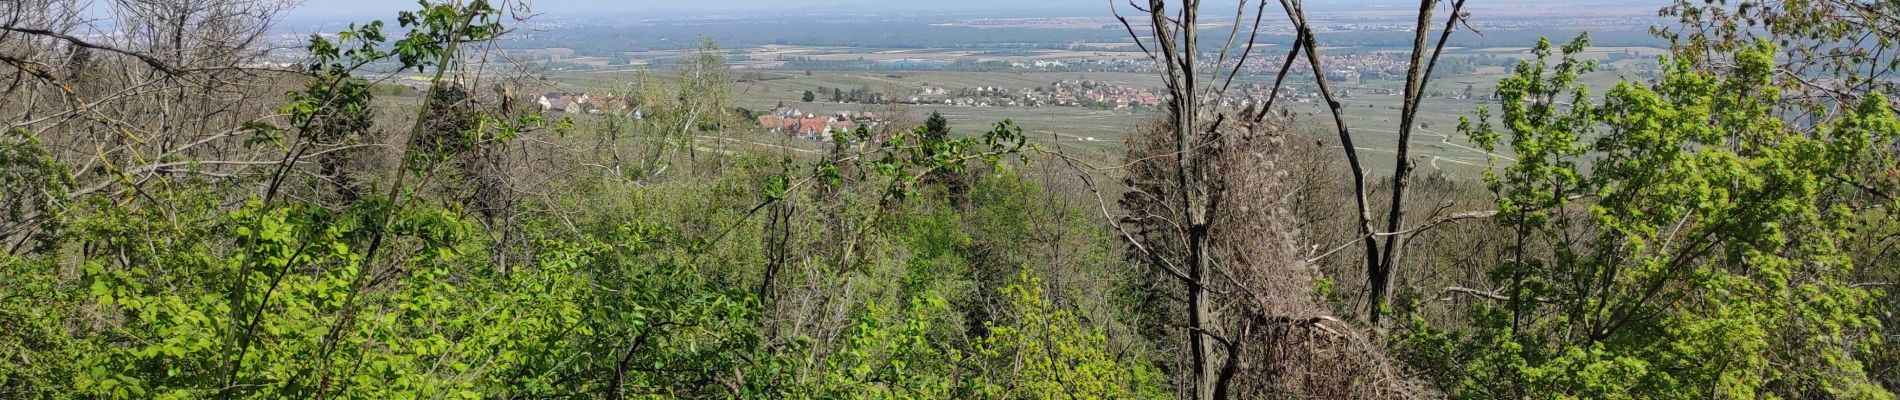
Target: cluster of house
(814,126)
(1111,96)
(583,103)
(1341,66)
(783,120)
(1068,93)
(1045,64)
(1344,67)
(566,102)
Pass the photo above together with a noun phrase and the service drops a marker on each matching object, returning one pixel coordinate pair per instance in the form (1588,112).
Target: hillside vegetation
(183,221)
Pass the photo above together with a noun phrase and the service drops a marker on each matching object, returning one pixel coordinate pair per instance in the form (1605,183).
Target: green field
(1074,125)
(1373,118)
(1374,122)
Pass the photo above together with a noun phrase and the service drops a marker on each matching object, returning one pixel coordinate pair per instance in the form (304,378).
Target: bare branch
(1483,294)
(1102,204)
(1131,30)
(1279,81)
(1253,35)
(1468,215)
(146,58)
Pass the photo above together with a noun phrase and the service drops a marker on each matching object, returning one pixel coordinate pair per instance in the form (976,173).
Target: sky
(330,8)
(326,9)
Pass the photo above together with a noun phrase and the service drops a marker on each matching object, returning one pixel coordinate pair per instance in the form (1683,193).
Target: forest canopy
(397,217)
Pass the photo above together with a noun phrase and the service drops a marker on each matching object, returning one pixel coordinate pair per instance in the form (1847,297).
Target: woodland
(181,220)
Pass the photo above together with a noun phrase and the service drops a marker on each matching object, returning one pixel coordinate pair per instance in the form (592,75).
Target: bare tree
(1417,76)
(1383,246)
(164,89)
(1201,220)
(1176,39)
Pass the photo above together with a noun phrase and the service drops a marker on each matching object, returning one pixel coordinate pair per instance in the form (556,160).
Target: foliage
(35,351)
(639,290)
(1698,255)
(622,312)
(671,117)
(32,181)
(1054,356)
(1036,352)
(1692,237)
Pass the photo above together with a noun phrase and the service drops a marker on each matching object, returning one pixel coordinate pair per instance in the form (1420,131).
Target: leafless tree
(1199,219)
(162,89)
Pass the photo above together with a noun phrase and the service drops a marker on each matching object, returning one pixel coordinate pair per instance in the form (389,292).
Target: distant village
(1349,68)
(583,103)
(816,126)
(1067,93)
(1084,93)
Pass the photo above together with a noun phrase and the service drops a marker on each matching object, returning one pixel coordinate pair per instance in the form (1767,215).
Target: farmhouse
(566,102)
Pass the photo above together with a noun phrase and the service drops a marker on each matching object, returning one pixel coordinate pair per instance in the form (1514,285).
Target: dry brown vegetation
(1278,337)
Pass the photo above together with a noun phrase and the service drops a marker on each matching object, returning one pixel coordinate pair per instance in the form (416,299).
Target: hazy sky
(318,8)
(662,8)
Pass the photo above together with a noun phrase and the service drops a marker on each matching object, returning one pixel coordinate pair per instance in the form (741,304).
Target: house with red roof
(807,126)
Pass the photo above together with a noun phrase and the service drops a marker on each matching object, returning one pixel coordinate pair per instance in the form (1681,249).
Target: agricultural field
(832,53)
(1437,141)
(1105,128)
(1372,117)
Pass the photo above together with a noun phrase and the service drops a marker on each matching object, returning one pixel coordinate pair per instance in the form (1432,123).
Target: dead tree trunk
(1178,58)
(1199,166)
(1383,248)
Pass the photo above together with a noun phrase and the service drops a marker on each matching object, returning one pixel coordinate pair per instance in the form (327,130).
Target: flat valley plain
(1100,133)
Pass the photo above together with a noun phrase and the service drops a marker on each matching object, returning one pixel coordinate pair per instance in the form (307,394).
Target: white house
(565,102)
